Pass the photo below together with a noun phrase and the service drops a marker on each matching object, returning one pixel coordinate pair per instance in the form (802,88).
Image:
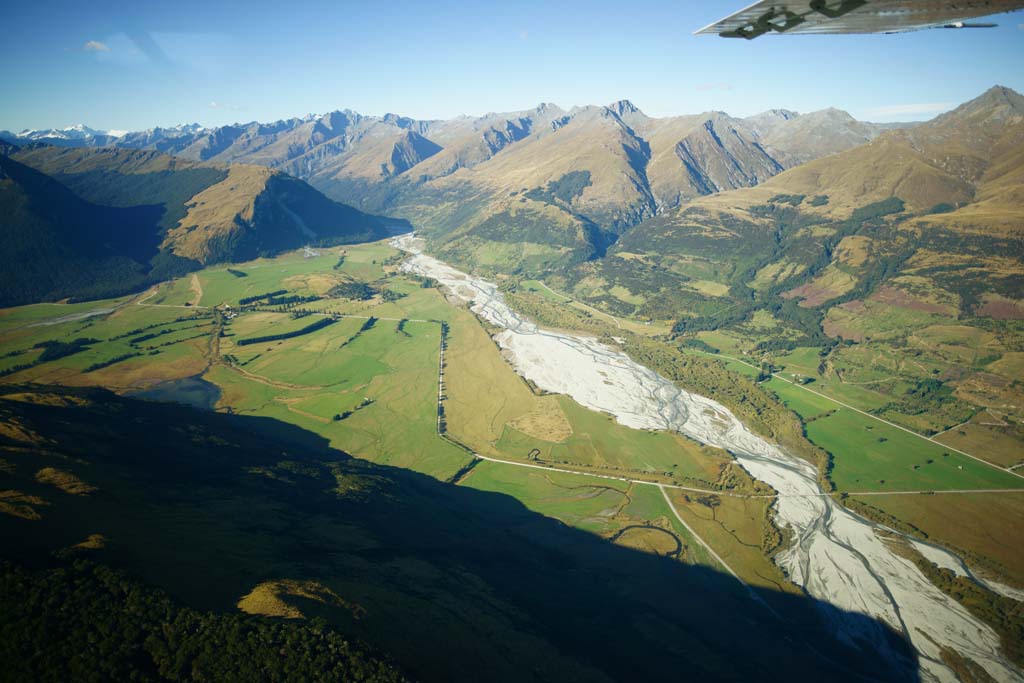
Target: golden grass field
(984,524)
(65,481)
(284,598)
(736,528)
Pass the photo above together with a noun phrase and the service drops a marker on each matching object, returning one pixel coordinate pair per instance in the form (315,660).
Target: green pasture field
(113,331)
(740,367)
(261,324)
(857,396)
(599,441)
(726,341)
(46,315)
(648,504)
(365,261)
(175,331)
(305,380)
(262,277)
(577,500)
(956,520)
(537,287)
(799,400)
(316,359)
(734,528)
(177,292)
(309,379)
(869,455)
(999,445)
(803,360)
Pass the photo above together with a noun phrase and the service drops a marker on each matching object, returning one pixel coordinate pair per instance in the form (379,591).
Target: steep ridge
(409,150)
(718,157)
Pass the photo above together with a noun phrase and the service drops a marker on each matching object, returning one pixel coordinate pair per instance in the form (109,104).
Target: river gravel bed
(836,556)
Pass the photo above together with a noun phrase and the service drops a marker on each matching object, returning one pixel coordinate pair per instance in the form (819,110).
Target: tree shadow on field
(455,583)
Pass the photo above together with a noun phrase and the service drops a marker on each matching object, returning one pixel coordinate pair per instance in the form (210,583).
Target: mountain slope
(638,166)
(54,243)
(88,223)
(957,175)
(454,583)
(798,139)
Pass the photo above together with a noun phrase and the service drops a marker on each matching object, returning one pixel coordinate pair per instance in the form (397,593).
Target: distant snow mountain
(82,135)
(77,132)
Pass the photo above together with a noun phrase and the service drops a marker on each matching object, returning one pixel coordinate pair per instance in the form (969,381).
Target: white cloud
(95,46)
(215,105)
(917,109)
(704,87)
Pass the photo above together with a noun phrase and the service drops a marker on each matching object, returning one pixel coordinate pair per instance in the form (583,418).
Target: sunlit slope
(957,176)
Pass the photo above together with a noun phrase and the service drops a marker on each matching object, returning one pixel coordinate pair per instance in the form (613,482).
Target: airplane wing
(854,16)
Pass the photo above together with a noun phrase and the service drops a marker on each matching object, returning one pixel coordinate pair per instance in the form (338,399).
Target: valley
(391,364)
(368,384)
(775,358)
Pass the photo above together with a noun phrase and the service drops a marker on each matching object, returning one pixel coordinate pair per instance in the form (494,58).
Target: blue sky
(133,65)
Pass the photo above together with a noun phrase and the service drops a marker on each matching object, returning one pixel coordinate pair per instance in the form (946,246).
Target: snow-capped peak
(79,131)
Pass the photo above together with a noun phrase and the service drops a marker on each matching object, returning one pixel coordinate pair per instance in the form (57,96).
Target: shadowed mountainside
(453,582)
(92,223)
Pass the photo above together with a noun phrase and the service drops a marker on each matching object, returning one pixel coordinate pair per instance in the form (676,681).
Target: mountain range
(552,191)
(468,173)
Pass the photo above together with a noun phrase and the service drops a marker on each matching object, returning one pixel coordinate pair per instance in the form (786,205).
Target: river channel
(836,556)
